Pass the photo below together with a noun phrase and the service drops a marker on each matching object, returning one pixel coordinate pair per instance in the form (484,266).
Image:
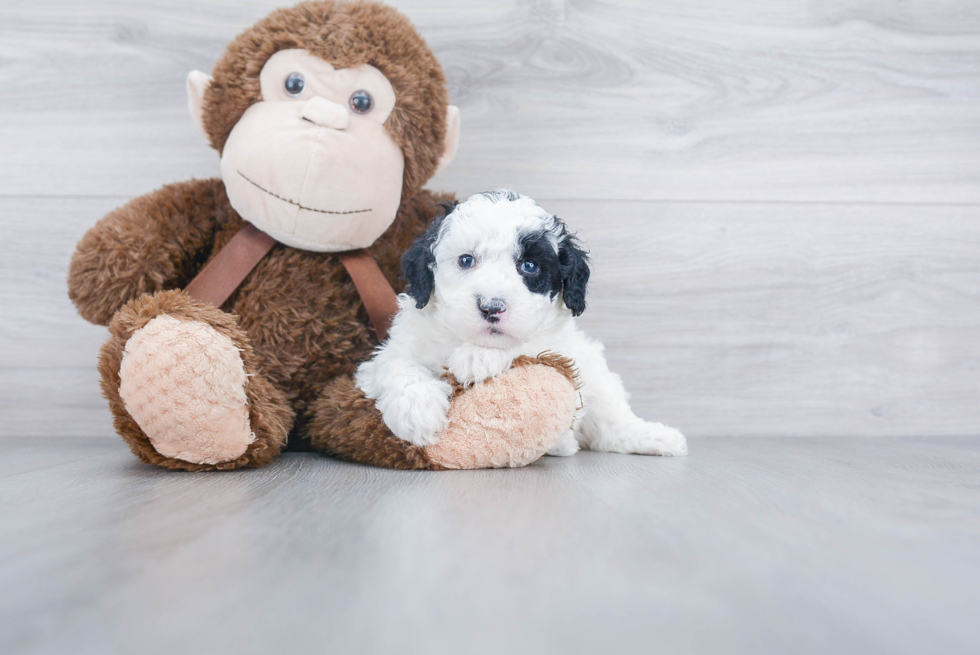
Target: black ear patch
(419,260)
(566,272)
(573,262)
(538,246)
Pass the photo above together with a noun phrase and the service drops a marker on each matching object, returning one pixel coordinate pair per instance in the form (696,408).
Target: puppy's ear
(419,261)
(573,262)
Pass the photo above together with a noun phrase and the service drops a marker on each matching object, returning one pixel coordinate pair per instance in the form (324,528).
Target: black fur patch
(501,194)
(574,263)
(566,271)
(535,247)
(418,260)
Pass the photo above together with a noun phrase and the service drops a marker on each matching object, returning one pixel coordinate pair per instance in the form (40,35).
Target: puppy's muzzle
(491,308)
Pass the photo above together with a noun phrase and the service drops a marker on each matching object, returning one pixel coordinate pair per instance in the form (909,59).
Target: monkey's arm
(154,242)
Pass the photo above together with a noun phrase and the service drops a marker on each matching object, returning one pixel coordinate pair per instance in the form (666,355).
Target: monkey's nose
(326,113)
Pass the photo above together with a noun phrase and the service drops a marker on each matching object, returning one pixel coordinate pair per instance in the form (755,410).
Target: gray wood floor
(829,545)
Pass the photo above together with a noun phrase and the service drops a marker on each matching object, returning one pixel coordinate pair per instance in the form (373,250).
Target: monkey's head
(326,115)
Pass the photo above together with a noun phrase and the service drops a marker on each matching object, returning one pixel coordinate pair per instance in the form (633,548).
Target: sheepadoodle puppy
(496,278)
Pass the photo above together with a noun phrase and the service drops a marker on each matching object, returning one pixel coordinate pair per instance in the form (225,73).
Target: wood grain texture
(734,319)
(852,309)
(848,100)
(786,319)
(747,545)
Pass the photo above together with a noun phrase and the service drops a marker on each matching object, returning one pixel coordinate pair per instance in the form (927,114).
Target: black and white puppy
(496,278)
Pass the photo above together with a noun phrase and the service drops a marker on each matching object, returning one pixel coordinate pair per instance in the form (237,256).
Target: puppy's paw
(472,364)
(654,439)
(566,447)
(417,413)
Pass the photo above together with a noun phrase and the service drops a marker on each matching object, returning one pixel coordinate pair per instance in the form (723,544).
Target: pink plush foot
(510,420)
(183,382)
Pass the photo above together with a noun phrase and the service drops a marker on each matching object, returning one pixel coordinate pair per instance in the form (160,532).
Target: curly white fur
(452,332)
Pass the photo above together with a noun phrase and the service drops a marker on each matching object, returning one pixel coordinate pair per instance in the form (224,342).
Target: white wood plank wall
(782,196)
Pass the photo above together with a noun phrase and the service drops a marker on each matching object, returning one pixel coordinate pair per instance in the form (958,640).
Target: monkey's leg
(182,386)
(507,421)
(346,425)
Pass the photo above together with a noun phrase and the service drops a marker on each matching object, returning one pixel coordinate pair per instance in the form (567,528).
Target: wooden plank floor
(823,545)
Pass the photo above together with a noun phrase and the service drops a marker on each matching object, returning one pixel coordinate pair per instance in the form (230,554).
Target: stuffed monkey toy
(238,308)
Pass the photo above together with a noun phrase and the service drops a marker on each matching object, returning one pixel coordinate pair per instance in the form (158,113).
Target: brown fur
(345,35)
(155,242)
(348,426)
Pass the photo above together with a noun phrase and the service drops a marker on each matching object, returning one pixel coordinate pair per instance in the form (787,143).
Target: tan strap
(229,268)
(376,293)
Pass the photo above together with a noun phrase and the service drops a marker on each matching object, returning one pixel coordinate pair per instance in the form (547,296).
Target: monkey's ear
(452,137)
(197,83)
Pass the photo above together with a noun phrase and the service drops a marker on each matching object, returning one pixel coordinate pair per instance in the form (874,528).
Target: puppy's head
(497,269)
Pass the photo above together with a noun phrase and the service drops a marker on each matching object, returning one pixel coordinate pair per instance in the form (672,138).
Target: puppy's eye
(529,267)
(295,84)
(466,261)
(361,102)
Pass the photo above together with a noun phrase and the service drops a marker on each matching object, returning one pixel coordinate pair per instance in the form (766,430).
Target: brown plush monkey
(329,118)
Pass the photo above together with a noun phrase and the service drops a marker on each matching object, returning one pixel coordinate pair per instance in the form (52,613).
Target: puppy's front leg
(411,399)
(471,364)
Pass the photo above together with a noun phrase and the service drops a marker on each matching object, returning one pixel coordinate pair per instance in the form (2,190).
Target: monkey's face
(312,163)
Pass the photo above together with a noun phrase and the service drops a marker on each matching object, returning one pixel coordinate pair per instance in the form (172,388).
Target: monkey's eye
(529,267)
(295,84)
(466,261)
(361,102)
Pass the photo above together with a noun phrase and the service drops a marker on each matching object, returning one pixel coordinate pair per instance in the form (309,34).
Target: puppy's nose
(490,307)
(326,113)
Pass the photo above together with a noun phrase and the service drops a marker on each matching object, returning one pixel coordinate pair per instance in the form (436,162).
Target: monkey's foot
(183,382)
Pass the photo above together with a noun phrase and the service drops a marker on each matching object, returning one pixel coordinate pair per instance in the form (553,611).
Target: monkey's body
(297,312)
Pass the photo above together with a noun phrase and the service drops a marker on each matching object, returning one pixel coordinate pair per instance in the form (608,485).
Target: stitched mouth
(293,202)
